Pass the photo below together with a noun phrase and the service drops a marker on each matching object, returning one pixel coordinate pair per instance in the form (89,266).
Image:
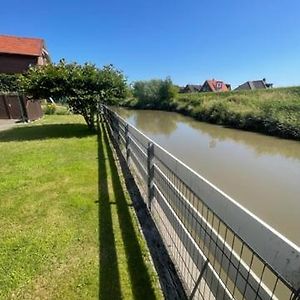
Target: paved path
(7,124)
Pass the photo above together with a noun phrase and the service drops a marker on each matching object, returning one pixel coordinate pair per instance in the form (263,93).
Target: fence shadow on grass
(141,284)
(108,271)
(169,279)
(45,131)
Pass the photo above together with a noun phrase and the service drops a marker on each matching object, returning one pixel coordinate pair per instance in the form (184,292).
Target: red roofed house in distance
(215,86)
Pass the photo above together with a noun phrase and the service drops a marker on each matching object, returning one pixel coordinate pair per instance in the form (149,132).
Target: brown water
(260,172)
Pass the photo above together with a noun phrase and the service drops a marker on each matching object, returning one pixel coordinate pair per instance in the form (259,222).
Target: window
(219,85)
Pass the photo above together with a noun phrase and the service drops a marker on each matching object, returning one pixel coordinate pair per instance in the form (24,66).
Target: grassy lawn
(67,227)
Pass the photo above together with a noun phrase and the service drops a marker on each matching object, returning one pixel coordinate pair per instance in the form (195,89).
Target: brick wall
(11,63)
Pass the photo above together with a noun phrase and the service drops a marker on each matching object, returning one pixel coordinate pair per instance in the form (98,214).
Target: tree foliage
(8,83)
(155,93)
(82,87)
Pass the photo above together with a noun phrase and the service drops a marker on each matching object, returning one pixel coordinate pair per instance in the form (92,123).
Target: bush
(49,109)
(55,109)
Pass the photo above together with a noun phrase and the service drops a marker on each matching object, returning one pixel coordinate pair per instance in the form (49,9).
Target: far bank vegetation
(272,111)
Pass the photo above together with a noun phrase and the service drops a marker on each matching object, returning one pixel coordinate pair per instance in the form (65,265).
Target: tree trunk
(90,122)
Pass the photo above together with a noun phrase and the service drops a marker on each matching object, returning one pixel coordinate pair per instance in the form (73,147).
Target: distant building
(215,86)
(17,54)
(254,85)
(190,88)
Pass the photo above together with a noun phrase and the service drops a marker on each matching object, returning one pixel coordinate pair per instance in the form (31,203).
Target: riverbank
(273,112)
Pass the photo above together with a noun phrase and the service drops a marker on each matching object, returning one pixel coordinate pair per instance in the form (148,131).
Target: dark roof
(190,88)
(258,84)
(255,84)
(194,86)
(21,45)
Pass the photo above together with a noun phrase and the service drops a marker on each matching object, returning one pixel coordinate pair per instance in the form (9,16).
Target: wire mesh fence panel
(220,250)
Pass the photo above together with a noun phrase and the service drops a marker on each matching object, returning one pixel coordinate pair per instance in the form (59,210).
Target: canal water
(260,172)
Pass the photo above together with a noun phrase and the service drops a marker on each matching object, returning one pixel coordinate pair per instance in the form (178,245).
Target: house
(190,88)
(17,54)
(215,86)
(254,85)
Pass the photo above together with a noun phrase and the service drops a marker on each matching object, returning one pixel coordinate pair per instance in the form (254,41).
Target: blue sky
(189,40)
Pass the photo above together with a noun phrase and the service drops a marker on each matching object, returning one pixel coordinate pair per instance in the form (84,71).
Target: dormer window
(219,85)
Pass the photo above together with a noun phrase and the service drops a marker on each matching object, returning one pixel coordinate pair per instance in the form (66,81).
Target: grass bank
(273,112)
(67,227)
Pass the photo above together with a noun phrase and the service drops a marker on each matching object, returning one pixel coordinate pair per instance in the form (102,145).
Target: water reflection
(165,123)
(260,172)
(151,122)
(261,144)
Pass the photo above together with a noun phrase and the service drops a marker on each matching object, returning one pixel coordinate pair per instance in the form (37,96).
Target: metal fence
(219,248)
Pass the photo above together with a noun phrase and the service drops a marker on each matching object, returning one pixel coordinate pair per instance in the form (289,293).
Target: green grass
(273,111)
(67,227)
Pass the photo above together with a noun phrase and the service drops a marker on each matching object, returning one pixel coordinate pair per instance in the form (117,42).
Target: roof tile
(21,45)
(213,84)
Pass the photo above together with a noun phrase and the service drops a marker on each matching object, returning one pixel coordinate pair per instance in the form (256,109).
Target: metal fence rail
(220,249)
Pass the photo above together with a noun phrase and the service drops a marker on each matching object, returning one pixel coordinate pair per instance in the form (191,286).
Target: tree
(155,93)
(82,87)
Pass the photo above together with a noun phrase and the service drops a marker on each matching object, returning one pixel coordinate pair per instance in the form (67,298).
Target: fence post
(22,105)
(107,117)
(111,120)
(198,280)
(150,169)
(6,107)
(296,295)
(127,143)
(99,115)
(118,130)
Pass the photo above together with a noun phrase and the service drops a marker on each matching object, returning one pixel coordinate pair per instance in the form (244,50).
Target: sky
(188,40)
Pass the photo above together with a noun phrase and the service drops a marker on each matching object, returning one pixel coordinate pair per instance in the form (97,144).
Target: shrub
(55,109)
(49,109)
